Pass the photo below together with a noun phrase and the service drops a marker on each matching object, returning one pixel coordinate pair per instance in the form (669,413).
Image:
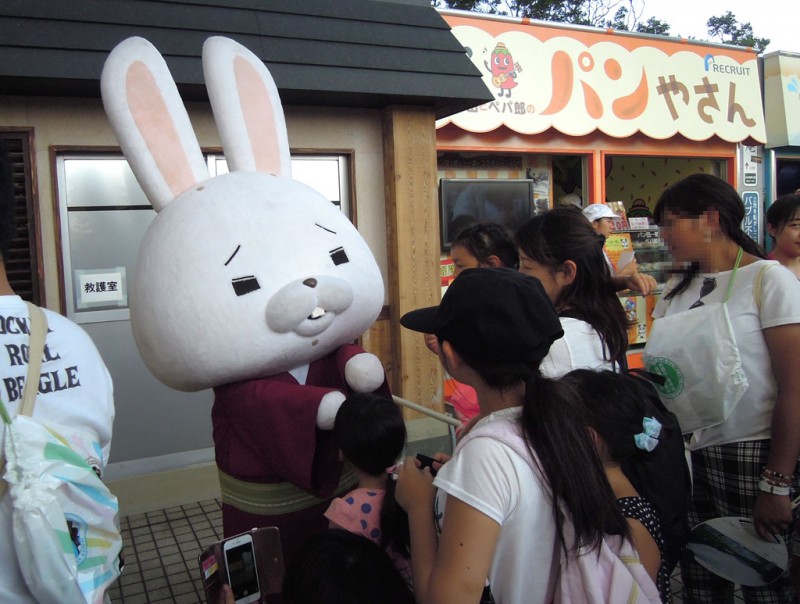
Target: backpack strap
(758,284)
(37,334)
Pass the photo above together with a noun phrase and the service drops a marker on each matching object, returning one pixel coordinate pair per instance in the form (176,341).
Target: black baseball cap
(496,314)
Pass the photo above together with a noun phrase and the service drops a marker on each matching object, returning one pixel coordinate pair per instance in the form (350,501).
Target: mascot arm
(328,408)
(364,372)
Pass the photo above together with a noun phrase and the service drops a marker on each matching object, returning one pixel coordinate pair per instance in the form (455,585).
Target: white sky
(773,19)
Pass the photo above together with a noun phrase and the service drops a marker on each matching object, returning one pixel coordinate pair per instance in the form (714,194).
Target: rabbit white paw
(328,408)
(364,372)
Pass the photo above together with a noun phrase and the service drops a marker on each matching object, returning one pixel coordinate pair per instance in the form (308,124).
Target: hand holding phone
(240,562)
(427,462)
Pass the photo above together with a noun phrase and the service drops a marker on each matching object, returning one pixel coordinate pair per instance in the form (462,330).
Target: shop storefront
(586,115)
(782,110)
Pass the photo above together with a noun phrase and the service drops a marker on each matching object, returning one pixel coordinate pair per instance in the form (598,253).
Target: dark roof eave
(442,105)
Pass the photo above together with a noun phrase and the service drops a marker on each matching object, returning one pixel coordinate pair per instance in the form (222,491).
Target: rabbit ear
(247,108)
(152,126)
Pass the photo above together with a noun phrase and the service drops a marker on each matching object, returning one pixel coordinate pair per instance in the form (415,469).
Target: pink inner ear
(153,120)
(259,117)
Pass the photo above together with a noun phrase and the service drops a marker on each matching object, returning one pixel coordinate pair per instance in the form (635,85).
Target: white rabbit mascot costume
(250,283)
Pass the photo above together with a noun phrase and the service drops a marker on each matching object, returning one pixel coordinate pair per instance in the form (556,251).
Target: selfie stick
(429,412)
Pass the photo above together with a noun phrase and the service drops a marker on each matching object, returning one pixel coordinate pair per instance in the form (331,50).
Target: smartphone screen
(242,570)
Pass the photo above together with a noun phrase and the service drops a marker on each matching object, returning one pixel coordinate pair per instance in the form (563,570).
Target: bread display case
(651,253)
(652,258)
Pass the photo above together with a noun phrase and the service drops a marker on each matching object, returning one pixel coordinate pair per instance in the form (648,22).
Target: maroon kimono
(265,432)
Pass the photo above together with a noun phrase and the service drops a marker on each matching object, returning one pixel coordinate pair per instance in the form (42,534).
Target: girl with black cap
(525,453)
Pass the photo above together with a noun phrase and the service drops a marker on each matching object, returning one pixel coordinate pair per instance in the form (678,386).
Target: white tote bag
(695,352)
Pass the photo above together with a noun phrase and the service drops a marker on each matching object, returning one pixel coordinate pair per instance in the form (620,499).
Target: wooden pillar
(412,223)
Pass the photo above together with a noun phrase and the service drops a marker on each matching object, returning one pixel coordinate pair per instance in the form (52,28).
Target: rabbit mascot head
(249,282)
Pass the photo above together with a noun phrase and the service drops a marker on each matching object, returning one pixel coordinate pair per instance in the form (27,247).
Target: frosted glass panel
(101,182)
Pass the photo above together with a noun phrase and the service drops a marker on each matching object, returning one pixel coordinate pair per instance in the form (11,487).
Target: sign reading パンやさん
(578,81)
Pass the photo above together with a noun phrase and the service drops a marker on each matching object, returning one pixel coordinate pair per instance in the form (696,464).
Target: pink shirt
(359,512)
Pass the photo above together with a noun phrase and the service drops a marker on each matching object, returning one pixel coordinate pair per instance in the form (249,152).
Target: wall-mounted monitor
(467,201)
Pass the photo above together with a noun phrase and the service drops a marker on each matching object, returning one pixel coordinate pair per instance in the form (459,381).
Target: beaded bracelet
(775,482)
(766,473)
(766,487)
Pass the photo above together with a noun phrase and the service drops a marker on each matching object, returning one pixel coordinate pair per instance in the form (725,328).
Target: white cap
(570,200)
(596,211)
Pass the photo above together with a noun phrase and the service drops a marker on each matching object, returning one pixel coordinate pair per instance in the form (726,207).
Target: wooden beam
(412,223)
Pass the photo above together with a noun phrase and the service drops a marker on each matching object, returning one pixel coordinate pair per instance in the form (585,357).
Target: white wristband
(766,487)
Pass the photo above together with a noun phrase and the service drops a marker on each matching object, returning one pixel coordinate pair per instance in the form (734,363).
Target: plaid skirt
(725,483)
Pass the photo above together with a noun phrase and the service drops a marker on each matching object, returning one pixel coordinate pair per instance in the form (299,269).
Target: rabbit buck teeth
(316,313)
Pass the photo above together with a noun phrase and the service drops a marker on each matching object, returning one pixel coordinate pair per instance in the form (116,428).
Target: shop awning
(782,98)
(580,79)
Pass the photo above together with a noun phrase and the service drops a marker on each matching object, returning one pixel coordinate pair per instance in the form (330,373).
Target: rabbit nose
(312,283)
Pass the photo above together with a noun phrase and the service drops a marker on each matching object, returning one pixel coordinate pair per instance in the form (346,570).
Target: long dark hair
(565,453)
(488,239)
(692,197)
(564,234)
(614,406)
(371,432)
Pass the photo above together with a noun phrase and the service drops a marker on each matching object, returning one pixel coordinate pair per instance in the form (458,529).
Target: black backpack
(672,504)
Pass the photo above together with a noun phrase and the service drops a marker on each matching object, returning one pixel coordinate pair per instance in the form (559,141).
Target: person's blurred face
(684,235)
(604,226)
(545,274)
(462,259)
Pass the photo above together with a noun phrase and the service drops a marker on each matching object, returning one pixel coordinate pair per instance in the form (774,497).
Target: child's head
(601,218)
(483,245)
(619,410)
(563,251)
(339,567)
(494,319)
(698,210)
(783,224)
(370,431)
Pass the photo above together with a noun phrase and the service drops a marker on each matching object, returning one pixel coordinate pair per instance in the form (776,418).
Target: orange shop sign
(581,80)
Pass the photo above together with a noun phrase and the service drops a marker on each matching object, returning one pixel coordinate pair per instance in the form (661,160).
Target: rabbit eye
(245,285)
(339,256)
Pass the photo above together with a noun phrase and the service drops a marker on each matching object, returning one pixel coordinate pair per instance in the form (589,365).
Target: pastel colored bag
(65,520)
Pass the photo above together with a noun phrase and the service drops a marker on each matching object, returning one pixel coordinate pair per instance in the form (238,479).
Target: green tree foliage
(653,26)
(620,20)
(617,14)
(729,31)
(603,13)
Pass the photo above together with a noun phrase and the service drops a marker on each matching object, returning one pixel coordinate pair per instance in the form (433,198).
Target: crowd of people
(571,477)
(568,452)
(571,474)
